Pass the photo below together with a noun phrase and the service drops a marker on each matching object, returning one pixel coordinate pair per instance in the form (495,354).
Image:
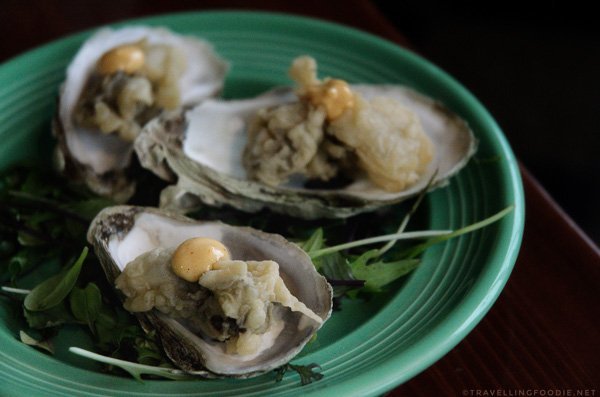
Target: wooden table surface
(541,337)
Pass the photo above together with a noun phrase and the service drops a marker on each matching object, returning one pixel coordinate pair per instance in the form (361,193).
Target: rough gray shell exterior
(115,184)
(188,351)
(160,149)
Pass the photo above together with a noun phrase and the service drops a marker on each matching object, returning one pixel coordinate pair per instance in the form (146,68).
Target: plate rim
(479,299)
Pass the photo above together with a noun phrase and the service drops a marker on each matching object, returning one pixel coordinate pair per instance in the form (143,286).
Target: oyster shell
(201,150)
(122,233)
(101,160)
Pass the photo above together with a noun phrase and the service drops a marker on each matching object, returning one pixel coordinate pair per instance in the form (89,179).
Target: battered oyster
(249,305)
(117,81)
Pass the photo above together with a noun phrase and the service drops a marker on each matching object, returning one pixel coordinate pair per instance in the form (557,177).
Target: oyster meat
(206,153)
(117,81)
(252,310)
(333,129)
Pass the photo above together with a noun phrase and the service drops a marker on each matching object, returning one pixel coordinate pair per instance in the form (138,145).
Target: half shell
(120,234)
(102,160)
(201,150)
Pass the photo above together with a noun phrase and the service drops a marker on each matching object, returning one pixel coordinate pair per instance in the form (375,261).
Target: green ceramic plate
(367,348)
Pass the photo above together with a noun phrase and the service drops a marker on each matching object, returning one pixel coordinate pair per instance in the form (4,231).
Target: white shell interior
(152,231)
(217,130)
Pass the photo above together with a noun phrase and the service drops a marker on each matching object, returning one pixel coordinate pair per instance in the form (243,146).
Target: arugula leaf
(315,242)
(135,370)
(42,344)
(335,266)
(307,372)
(378,239)
(32,231)
(24,260)
(367,267)
(53,207)
(48,318)
(18,291)
(148,352)
(380,273)
(410,213)
(7,249)
(418,249)
(86,303)
(336,269)
(110,332)
(34,183)
(52,291)
(89,208)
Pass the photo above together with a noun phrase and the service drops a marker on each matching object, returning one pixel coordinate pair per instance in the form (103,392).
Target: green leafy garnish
(368,271)
(55,316)
(135,370)
(378,274)
(42,344)
(18,291)
(307,372)
(314,243)
(25,260)
(414,251)
(43,221)
(378,239)
(52,291)
(86,303)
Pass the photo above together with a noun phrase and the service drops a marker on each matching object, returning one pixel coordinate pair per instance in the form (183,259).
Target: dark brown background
(535,70)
